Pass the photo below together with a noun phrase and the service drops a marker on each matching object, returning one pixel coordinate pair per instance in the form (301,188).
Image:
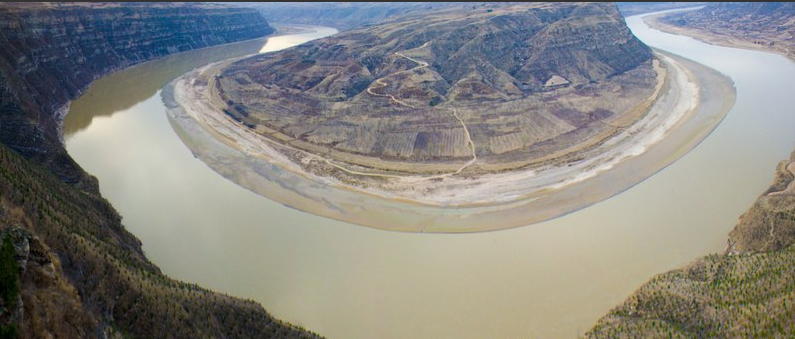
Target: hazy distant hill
(761,25)
(340,15)
(633,8)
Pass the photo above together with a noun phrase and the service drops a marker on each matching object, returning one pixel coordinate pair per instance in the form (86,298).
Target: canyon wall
(52,52)
(68,267)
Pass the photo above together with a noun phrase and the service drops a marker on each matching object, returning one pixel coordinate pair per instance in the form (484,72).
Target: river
(548,280)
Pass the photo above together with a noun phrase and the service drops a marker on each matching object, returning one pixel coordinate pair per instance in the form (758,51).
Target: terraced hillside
(459,89)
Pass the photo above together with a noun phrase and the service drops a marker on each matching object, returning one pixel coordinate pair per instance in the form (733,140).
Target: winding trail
(382,84)
(469,140)
(772,238)
(390,96)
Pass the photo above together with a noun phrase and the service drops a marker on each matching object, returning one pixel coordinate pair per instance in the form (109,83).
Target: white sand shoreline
(275,171)
(672,107)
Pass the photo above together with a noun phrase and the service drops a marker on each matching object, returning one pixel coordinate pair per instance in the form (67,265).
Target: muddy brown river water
(547,280)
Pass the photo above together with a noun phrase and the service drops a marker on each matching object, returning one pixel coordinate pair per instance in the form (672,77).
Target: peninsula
(462,106)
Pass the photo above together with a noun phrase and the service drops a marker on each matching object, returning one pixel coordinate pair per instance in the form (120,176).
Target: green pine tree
(9,273)
(8,332)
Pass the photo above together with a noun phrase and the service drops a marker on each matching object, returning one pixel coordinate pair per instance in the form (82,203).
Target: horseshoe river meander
(547,280)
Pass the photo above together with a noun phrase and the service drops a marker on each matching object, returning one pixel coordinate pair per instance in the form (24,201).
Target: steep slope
(47,305)
(748,292)
(769,225)
(80,274)
(508,83)
(53,51)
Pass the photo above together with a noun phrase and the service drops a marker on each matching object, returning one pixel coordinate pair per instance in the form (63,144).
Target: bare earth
(688,104)
(676,103)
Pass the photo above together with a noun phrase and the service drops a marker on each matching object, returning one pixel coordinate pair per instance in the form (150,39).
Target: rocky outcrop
(47,305)
(770,223)
(748,291)
(52,52)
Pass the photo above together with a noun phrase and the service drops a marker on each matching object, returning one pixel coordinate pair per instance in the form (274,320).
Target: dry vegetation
(750,295)
(748,292)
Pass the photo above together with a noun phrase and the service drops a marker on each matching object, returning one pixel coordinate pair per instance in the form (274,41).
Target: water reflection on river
(548,280)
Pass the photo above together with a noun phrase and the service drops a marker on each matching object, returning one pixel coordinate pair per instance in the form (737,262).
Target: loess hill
(509,86)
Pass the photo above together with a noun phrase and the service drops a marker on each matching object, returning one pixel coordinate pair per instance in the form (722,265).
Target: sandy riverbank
(196,95)
(529,195)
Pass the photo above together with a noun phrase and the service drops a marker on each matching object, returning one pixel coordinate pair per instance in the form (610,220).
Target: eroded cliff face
(52,52)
